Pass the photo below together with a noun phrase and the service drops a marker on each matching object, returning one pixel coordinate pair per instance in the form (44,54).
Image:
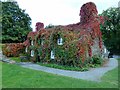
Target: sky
(60,12)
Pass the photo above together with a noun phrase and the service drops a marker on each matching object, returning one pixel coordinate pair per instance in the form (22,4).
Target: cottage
(72,45)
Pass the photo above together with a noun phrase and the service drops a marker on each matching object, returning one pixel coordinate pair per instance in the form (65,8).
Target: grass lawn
(119,59)
(0,69)
(16,59)
(14,76)
(0,75)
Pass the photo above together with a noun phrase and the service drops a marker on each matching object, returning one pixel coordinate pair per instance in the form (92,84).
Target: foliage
(49,26)
(13,49)
(72,53)
(78,40)
(14,76)
(0,22)
(88,12)
(15,23)
(63,53)
(111,29)
(16,59)
(39,25)
(64,67)
(86,67)
(1,46)
(96,60)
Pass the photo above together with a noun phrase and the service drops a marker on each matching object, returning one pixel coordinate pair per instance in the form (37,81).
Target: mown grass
(0,75)
(16,59)
(118,58)
(1,69)
(14,76)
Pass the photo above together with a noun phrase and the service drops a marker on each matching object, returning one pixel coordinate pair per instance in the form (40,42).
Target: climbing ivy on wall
(77,39)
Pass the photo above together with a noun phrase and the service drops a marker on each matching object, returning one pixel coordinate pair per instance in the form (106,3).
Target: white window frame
(42,42)
(32,42)
(32,53)
(60,41)
(52,55)
(105,50)
(26,49)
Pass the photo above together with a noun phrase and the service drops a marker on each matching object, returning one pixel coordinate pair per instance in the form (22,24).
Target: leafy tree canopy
(49,26)
(111,29)
(15,23)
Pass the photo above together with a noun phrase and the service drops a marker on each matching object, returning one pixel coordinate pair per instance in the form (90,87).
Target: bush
(96,59)
(13,49)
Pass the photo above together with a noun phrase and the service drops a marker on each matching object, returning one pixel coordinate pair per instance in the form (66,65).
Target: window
(26,49)
(42,42)
(105,50)
(32,53)
(60,41)
(32,42)
(52,55)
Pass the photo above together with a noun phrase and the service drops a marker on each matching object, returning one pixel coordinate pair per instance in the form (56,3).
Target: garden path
(94,74)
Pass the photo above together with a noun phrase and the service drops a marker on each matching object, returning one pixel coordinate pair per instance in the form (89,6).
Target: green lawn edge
(18,77)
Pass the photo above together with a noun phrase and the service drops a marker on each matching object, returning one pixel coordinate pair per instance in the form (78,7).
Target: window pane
(41,42)
(32,42)
(32,53)
(52,55)
(60,41)
(26,49)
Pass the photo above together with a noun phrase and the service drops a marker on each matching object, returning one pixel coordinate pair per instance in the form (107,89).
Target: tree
(49,26)
(15,23)
(0,21)
(111,29)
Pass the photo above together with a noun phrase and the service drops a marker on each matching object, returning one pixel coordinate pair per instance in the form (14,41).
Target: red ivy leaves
(87,29)
(39,26)
(88,12)
(12,49)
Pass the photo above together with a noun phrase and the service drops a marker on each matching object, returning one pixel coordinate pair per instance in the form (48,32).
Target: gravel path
(116,56)
(93,74)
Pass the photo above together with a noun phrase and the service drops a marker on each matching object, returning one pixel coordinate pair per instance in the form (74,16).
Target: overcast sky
(60,12)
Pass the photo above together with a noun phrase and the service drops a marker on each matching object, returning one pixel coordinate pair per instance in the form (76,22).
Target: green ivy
(65,54)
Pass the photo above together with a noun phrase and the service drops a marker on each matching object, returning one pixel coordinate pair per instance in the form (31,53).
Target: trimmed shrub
(13,49)
(96,59)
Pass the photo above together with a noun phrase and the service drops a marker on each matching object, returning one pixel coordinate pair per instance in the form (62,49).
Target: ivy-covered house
(73,44)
